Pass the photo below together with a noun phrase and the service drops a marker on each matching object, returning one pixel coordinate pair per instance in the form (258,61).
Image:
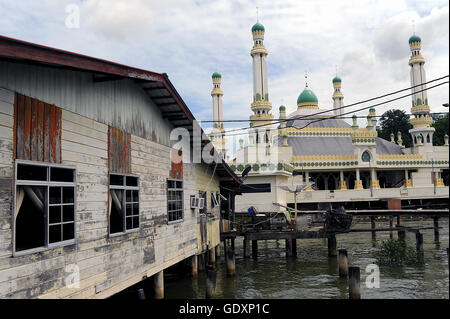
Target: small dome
(337,79)
(399,133)
(392,134)
(445,136)
(258,27)
(414,38)
(307,96)
(372,109)
(285,136)
(282,108)
(354,116)
(216,75)
(420,135)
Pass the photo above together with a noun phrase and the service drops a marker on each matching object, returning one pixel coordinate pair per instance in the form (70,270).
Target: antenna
(336,69)
(414,26)
(257,14)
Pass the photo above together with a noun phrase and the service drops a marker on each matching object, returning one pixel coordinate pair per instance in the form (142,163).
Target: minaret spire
(217,135)
(338,97)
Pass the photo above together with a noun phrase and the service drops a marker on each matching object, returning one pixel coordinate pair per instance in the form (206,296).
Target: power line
(308,117)
(353,104)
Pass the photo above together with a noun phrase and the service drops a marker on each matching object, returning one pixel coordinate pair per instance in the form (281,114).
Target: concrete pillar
(342,183)
(158,284)
(374,180)
(211,277)
(246,248)
(354,289)
(231,264)
(218,250)
(212,256)
(194,266)
(254,249)
(332,252)
(343,263)
(358,181)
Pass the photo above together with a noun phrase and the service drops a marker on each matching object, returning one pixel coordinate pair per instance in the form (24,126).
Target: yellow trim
(257,33)
(398,156)
(408,183)
(420,108)
(421,122)
(415,45)
(216,91)
(358,184)
(308,105)
(375,184)
(321,129)
(342,185)
(261,104)
(324,157)
(364,133)
(216,80)
(261,117)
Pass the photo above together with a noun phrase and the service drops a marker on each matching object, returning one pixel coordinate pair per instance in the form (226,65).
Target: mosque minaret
(218,132)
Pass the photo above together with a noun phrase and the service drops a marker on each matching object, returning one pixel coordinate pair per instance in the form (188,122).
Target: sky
(366,40)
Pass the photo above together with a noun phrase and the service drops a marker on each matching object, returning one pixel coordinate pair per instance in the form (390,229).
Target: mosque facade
(347,164)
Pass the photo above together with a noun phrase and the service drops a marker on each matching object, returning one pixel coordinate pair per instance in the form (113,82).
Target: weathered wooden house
(89,188)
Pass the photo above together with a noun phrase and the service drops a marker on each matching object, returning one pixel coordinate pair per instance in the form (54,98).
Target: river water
(312,274)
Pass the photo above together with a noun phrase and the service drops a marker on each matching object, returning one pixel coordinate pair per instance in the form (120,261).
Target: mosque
(348,164)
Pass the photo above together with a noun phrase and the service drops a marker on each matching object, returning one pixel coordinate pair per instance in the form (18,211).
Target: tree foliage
(441,127)
(393,121)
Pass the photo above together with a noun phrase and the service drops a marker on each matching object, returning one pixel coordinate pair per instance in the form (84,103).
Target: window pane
(68,231)
(136,222)
(116,180)
(58,174)
(179,184)
(136,196)
(31,172)
(68,194)
(68,213)
(132,181)
(129,223)
(136,209)
(54,233)
(128,199)
(55,195)
(129,211)
(54,214)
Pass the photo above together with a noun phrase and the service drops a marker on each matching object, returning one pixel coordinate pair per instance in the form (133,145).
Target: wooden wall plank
(40,146)
(34,152)
(46,132)
(52,140)
(58,135)
(27,130)
(119,151)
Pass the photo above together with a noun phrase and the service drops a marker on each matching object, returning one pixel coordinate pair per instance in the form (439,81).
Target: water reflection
(314,275)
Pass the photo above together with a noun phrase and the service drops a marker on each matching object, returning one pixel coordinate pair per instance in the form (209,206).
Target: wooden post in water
(419,242)
(246,248)
(402,235)
(288,248)
(343,263)
(436,228)
(391,225)
(254,249)
(194,266)
(372,224)
(212,256)
(158,284)
(354,289)
(211,277)
(232,244)
(294,247)
(332,252)
(231,263)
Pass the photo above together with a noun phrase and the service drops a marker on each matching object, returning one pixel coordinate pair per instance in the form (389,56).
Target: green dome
(372,109)
(307,96)
(354,116)
(336,79)
(216,75)
(414,38)
(420,135)
(258,27)
(282,108)
(399,133)
(445,136)
(392,134)
(285,136)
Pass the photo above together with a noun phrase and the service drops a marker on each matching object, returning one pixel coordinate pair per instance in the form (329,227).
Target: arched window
(415,139)
(365,156)
(428,138)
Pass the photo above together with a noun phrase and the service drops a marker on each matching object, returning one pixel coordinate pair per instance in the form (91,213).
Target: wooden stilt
(354,289)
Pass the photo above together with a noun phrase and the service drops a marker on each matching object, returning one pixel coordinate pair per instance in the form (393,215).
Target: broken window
(123,203)
(44,207)
(214,202)
(175,200)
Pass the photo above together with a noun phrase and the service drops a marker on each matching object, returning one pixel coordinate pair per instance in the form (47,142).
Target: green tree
(441,127)
(393,121)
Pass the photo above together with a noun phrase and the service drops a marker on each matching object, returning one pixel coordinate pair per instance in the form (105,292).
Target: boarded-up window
(119,151)
(176,157)
(37,130)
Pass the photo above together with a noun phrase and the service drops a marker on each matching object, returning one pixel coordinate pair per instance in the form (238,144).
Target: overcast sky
(190,39)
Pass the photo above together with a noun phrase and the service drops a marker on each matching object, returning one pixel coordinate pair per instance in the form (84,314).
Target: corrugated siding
(122,104)
(37,130)
(119,151)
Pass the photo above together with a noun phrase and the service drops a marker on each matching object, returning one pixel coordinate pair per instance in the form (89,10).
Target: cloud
(190,39)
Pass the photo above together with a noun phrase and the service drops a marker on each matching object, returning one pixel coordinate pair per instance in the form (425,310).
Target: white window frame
(125,188)
(182,200)
(47,183)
